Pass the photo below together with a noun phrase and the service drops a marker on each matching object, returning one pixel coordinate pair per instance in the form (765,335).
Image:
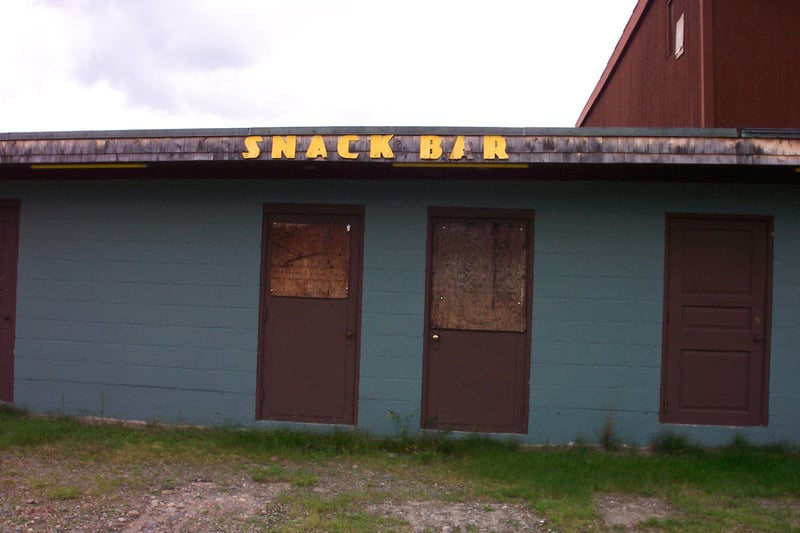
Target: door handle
(349,337)
(434,344)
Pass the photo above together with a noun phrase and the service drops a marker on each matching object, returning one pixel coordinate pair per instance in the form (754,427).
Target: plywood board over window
(479,271)
(310,260)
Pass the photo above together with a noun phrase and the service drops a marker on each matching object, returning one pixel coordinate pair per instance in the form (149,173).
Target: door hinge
(664,406)
(261,396)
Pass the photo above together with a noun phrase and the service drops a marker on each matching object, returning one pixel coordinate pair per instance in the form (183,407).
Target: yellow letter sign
(494,147)
(316,148)
(458,148)
(343,146)
(430,147)
(253,150)
(284,146)
(379,147)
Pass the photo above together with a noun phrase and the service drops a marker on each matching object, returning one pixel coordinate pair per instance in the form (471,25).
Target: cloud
(158,54)
(117,64)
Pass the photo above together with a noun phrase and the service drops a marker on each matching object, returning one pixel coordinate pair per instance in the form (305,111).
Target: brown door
(311,279)
(477,348)
(716,320)
(9,236)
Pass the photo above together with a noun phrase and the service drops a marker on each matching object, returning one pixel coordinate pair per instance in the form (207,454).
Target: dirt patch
(247,506)
(788,508)
(44,491)
(405,482)
(207,506)
(39,493)
(620,510)
(471,516)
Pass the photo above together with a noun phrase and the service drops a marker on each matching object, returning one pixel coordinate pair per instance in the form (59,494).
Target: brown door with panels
(311,279)
(477,339)
(716,320)
(9,238)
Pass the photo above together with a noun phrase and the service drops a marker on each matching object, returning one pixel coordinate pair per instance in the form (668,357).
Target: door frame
(489,213)
(766,342)
(7,382)
(357,271)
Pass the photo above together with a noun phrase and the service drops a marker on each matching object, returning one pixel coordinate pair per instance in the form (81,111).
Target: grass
(739,486)
(269,474)
(63,493)
(713,489)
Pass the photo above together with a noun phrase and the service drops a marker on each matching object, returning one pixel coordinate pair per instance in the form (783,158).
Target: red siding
(649,87)
(756,63)
(740,68)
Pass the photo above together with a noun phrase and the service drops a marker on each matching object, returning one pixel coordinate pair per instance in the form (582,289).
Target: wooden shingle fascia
(603,146)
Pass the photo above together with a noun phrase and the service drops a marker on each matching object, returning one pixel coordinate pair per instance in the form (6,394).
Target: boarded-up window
(478,274)
(309,260)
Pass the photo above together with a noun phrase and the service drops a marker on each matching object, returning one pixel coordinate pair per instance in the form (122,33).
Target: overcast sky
(149,64)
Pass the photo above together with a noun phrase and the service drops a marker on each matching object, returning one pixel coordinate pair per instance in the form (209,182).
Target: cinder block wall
(140,299)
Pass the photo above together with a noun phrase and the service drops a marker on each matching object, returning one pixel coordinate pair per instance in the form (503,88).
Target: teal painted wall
(140,299)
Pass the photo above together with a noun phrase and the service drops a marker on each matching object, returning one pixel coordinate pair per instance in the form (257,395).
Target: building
(511,281)
(702,63)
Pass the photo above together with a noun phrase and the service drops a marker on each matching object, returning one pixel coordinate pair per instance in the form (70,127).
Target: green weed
(63,493)
(608,436)
(269,473)
(303,479)
(671,443)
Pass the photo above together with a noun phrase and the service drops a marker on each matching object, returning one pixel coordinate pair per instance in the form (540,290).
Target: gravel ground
(41,493)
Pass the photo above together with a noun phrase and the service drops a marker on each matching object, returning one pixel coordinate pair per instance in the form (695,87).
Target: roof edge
(627,34)
(578,146)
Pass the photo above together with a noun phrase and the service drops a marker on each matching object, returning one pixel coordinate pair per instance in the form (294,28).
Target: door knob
(435,336)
